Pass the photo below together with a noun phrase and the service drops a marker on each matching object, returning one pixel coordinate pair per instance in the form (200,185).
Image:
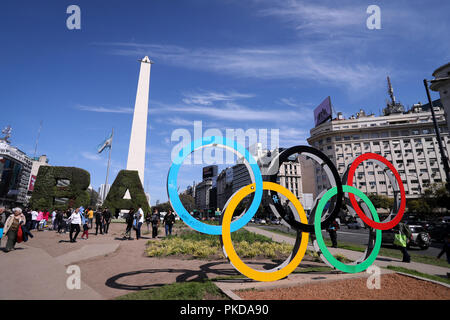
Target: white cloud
(91,156)
(235,112)
(310,61)
(209,97)
(102,109)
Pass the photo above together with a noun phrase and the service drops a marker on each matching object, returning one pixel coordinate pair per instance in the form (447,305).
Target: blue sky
(230,64)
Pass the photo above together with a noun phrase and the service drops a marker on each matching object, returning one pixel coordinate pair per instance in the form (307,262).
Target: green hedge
(46,189)
(126,180)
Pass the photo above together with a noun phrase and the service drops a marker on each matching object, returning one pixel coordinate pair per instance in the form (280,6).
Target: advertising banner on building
(32,181)
(323,112)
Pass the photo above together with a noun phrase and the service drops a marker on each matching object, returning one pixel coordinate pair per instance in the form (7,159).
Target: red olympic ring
(367,220)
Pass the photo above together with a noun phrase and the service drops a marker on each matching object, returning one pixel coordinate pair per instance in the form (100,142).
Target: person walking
(129,220)
(90,217)
(34,215)
(169,220)
(106,220)
(148,220)
(445,248)
(139,217)
(155,223)
(98,222)
(28,217)
(11,228)
(84,221)
(54,219)
(59,220)
(45,216)
(39,220)
(75,222)
(332,230)
(402,237)
(2,222)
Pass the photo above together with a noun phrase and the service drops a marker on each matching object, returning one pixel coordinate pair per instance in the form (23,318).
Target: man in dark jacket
(106,219)
(169,220)
(98,222)
(155,223)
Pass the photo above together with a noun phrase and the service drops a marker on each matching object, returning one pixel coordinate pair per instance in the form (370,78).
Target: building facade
(443,87)
(406,139)
(15,171)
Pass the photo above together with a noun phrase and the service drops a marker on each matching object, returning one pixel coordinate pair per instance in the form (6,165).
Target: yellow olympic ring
(228,245)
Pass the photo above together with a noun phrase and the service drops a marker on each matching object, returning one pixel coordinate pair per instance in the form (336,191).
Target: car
(353,225)
(263,221)
(438,231)
(275,221)
(420,238)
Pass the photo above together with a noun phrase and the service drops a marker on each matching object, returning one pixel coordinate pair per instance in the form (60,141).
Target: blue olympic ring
(173,191)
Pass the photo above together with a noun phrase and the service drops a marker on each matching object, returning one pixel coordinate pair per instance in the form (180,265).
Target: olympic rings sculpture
(337,196)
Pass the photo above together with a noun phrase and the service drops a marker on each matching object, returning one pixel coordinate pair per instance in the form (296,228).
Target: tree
(381,201)
(188,202)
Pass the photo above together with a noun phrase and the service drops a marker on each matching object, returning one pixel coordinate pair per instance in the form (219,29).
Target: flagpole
(109,162)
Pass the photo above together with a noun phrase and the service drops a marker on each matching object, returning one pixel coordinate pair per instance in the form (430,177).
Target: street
(361,236)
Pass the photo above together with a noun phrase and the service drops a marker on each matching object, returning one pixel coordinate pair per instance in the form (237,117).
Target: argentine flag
(105,144)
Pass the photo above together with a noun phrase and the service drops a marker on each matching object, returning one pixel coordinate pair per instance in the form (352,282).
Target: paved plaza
(111,267)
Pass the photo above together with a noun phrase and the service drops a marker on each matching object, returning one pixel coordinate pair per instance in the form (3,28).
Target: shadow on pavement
(186,275)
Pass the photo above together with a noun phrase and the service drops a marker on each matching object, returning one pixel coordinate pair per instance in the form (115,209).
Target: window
(426,131)
(355,137)
(346,137)
(338,138)
(415,132)
(375,135)
(329,147)
(328,140)
(372,183)
(394,133)
(371,173)
(385,134)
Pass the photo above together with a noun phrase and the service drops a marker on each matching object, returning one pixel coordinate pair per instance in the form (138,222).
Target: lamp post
(436,128)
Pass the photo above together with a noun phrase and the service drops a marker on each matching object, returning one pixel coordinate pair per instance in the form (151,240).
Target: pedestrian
(155,223)
(148,220)
(129,218)
(34,215)
(91,217)
(75,222)
(39,221)
(139,217)
(401,238)
(59,220)
(332,230)
(46,214)
(54,220)
(29,218)
(11,228)
(169,220)
(445,248)
(84,221)
(2,222)
(98,222)
(106,220)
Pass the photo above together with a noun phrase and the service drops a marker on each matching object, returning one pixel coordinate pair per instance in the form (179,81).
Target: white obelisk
(136,151)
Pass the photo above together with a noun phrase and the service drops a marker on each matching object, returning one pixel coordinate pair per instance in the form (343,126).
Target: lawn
(419,274)
(200,246)
(193,290)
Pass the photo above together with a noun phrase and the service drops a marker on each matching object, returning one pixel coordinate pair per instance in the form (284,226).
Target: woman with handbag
(12,226)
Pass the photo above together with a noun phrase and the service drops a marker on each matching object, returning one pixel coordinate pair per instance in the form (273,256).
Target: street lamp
(436,128)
